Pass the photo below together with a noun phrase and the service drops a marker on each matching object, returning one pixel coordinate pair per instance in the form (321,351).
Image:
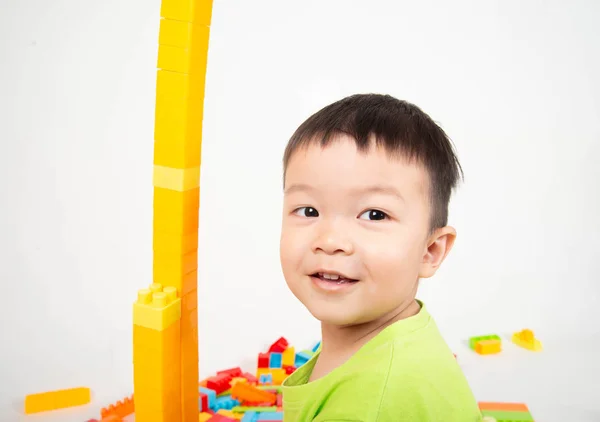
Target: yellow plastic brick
(175,243)
(488,347)
(289,356)
(203,417)
(176,212)
(183,47)
(178,132)
(172,270)
(172,86)
(197,11)
(527,340)
(176,179)
(157,308)
(58,399)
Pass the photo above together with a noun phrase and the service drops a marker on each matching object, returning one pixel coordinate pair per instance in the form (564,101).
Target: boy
(367,181)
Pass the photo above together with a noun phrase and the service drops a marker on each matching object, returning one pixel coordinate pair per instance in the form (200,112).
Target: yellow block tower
(166,327)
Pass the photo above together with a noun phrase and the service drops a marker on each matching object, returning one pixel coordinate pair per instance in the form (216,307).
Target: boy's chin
(335,318)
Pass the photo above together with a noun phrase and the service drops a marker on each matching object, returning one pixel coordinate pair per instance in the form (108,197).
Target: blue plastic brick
(314,349)
(212,395)
(265,379)
(302,357)
(275,360)
(270,416)
(250,417)
(225,402)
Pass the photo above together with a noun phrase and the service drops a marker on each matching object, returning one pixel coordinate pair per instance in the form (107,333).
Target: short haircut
(402,128)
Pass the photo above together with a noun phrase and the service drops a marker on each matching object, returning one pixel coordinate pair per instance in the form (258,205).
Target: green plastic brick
(474,340)
(506,416)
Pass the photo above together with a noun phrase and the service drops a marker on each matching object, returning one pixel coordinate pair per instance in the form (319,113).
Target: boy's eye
(306,212)
(373,215)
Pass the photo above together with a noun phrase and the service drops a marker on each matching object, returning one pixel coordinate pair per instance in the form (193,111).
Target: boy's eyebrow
(383,189)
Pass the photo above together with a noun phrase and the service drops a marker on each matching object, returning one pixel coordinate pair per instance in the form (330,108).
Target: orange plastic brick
(58,399)
(249,393)
(511,407)
(120,409)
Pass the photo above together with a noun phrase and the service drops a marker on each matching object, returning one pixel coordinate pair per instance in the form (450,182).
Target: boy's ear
(438,246)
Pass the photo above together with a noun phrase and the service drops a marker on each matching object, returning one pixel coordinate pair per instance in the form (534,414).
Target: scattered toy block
(474,340)
(514,407)
(212,395)
(203,402)
(275,360)
(219,383)
(288,357)
(250,417)
(526,339)
(263,360)
(250,393)
(270,416)
(488,347)
(121,408)
(204,417)
(59,399)
(279,346)
(316,347)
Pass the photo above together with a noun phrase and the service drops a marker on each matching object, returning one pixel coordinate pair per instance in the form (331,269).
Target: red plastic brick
(279,346)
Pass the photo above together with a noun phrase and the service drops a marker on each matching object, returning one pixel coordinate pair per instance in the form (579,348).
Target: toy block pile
(232,394)
(505,412)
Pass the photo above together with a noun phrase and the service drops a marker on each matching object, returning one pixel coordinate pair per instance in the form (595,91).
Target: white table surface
(559,384)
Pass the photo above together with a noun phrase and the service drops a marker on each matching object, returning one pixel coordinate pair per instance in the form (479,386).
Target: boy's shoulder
(410,376)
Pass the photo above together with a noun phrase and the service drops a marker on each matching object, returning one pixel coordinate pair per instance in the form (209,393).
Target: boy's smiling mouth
(331,280)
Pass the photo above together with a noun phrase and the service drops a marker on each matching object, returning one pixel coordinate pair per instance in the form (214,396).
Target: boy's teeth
(329,276)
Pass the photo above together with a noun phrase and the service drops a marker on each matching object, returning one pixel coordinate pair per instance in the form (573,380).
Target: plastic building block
(257,409)
(203,402)
(157,308)
(176,179)
(59,399)
(225,402)
(316,347)
(279,346)
(270,416)
(501,412)
(219,383)
(488,347)
(474,340)
(507,416)
(303,357)
(512,407)
(526,339)
(250,417)
(289,357)
(212,395)
(263,360)
(221,418)
(121,409)
(251,378)
(265,379)
(250,393)
(187,11)
(275,360)
(203,417)
(289,369)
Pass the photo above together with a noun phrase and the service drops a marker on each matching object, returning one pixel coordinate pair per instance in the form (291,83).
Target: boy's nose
(333,242)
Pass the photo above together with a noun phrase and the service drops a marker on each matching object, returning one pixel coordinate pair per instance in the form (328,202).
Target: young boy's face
(361,216)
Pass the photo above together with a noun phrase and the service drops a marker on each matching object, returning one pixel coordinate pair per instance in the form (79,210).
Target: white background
(514,83)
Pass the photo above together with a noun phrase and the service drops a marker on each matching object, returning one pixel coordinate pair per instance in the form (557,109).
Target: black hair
(402,128)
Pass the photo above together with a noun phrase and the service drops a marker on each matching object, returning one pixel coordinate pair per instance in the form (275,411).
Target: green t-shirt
(405,373)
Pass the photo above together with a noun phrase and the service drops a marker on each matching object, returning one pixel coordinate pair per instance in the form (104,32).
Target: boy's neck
(340,343)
